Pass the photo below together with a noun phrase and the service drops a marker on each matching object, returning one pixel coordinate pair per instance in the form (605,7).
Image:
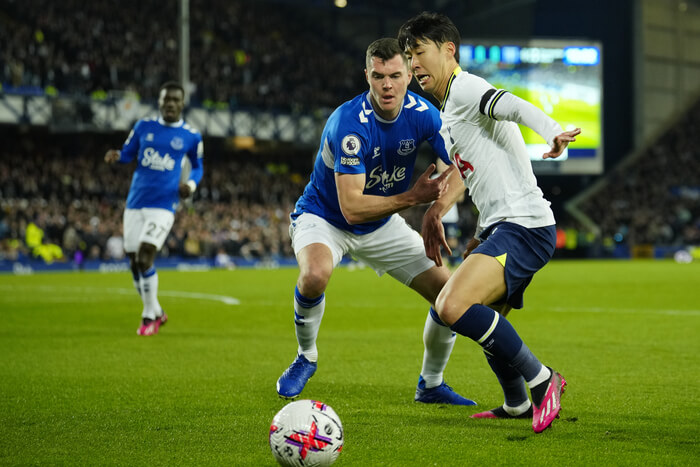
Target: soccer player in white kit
(516,228)
(360,181)
(159,145)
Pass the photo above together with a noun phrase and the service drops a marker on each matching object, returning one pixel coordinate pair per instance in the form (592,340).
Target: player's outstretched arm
(112,156)
(505,106)
(560,142)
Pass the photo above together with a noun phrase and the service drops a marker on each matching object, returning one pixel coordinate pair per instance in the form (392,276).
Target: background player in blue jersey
(516,225)
(360,181)
(159,145)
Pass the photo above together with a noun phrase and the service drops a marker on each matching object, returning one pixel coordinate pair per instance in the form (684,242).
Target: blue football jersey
(355,140)
(160,147)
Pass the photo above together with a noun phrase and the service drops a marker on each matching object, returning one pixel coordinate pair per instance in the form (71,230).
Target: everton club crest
(407,146)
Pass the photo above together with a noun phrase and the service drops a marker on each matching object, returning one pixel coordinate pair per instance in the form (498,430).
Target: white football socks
(541,377)
(438,341)
(149,295)
(307,323)
(519,410)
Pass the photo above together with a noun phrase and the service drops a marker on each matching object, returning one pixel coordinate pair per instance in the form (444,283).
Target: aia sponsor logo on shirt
(463,165)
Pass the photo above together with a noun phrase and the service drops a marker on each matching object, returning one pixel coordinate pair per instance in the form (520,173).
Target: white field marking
(651,311)
(94,290)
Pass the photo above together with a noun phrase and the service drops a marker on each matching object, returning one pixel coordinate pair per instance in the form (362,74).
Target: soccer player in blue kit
(360,181)
(516,228)
(159,145)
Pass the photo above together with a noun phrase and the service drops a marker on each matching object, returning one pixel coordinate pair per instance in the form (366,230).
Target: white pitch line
(654,311)
(163,293)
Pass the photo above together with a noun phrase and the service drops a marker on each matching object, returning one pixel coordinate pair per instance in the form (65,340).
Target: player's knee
(313,281)
(144,264)
(450,309)
(145,257)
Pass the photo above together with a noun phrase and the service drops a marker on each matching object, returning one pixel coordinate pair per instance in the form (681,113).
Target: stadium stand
(652,199)
(75,48)
(61,189)
(57,188)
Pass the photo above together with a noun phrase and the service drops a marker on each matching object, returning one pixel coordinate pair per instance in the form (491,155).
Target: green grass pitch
(78,387)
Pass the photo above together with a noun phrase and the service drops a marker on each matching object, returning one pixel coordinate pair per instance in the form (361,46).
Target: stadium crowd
(77,48)
(61,202)
(66,204)
(655,198)
(63,195)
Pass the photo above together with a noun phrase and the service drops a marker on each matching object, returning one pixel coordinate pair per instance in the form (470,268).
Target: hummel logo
(412,102)
(363,112)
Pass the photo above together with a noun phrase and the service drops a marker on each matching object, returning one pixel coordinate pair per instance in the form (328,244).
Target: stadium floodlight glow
(341,3)
(585,56)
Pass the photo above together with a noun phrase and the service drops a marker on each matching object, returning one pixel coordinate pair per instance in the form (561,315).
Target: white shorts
(394,248)
(146,225)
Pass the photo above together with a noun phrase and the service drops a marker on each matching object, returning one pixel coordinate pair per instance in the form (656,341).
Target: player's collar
(455,72)
(177,124)
(369,108)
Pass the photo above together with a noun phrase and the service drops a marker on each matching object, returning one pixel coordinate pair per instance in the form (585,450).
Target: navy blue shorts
(522,252)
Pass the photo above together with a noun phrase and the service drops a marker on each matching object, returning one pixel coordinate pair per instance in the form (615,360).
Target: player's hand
(560,143)
(473,243)
(111,156)
(184,190)
(433,233)
(426,189)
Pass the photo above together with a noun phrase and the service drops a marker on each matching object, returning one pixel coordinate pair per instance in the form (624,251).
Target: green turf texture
(79,387)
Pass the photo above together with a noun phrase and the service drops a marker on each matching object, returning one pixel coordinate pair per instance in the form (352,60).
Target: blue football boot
(293,380)
(442,394)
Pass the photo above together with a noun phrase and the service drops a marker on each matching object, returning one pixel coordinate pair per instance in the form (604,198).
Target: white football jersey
(485,143)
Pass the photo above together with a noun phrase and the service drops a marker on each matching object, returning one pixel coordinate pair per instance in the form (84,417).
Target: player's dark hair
(168,85)
(384,49)
(429,26)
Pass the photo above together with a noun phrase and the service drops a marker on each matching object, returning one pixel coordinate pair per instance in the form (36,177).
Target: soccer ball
(306,433)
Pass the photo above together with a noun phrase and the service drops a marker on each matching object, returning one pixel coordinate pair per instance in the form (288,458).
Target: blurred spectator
(114,249)
(223,260)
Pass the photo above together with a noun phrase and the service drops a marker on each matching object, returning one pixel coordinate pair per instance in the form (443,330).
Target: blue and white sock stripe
(436,317)
(149,272)
(307,302)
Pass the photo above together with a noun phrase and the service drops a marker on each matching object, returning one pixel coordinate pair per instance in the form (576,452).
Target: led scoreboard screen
(561,77)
